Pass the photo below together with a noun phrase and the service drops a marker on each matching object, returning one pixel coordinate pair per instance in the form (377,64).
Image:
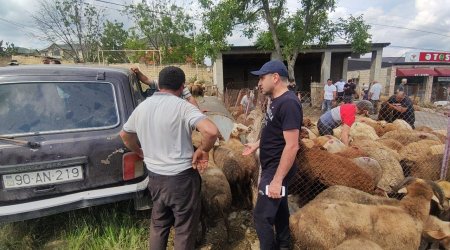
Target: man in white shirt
(340,90)
(163,126)
(374,95)
(329,95)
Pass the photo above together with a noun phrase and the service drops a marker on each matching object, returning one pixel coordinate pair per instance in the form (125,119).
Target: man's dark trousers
(176,201)
(270,212)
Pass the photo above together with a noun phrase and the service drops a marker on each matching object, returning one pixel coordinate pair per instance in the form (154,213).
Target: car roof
(58,69)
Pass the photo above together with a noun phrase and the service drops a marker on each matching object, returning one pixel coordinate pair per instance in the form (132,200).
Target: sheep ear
(403,191)
(436,234)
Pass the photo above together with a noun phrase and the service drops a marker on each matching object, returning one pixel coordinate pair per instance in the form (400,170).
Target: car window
(55,106)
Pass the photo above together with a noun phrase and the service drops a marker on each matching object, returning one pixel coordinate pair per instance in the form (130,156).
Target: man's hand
(135,70)
(274,190)
(249,148)
(200,160)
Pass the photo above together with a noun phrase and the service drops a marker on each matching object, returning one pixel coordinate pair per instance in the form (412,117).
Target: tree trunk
(291,64)
(272,29)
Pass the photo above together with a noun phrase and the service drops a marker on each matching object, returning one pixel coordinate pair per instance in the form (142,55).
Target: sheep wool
(352,152)
(405,137)
(361,130)
(391,143)
(358,243)
(330,169)
(388,160)
(371,166)
(402,124)
(422,160)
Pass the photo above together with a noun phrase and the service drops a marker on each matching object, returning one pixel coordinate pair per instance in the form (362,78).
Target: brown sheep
(215,197)
(352,152)
(238,169)
(358,243)
(405,137)
(391,143)
(325,224)
(418,159)
(330,169)
(424,129)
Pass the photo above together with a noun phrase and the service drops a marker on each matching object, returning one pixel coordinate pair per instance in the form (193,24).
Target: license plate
(43,177)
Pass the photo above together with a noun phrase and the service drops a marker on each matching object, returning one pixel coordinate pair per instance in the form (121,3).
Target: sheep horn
(437,190)
(405,182)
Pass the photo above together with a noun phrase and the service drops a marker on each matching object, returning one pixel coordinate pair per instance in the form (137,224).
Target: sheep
(408,136)
(307,133)
(324,224)
(441,134)
(371,166)
(360,130)
(388,160)
(424,129)
(358,243)
(352,152)
(215,197)
(436,232)
(330,143)
(422,159)
(330,169)
(402,124)
(238,169)
(255,129)
(391,143)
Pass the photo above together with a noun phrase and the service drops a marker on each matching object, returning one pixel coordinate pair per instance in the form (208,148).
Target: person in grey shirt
(163,125)
(186,94)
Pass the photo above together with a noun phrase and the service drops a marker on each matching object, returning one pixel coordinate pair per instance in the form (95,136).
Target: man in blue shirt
(278,149)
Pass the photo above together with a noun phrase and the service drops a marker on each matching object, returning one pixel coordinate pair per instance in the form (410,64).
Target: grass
(113,226)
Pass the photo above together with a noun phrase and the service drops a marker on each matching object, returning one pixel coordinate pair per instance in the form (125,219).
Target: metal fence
(384,148)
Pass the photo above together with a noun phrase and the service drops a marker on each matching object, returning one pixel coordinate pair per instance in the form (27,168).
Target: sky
(409,25)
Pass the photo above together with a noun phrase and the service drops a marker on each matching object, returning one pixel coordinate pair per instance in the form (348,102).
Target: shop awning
(416,72)
(443,71)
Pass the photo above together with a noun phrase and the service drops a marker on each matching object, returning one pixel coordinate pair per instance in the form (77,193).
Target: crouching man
(345,115)
(163,125)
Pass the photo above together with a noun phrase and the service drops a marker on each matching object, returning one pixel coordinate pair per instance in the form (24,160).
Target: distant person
(340,90)
(365,91)
(374,95)
(349,91)
(247,101)
(399,106)
(344,115)
(294,87)
(402,87)
(329,96)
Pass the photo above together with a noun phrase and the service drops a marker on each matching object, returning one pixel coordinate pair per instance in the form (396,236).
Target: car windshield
(56,106)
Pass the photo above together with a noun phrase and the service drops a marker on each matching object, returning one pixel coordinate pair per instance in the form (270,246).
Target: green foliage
(288,32)
(135,43)
(165,27)
(8,49)
(114,38)
(74,23)
(113,226)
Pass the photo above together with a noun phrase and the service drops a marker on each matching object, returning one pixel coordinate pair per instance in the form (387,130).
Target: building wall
(363,76)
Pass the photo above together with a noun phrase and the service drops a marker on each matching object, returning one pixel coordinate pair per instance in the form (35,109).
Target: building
(61,51)
(316,64)
(427,75)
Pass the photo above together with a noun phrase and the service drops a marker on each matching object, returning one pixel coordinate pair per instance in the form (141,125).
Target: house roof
(365,63)
(26,51)
(347,48)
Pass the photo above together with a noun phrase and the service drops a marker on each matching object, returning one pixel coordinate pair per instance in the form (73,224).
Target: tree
(287,33)
(8,49)
(74,23)
(165,27)
(114,38)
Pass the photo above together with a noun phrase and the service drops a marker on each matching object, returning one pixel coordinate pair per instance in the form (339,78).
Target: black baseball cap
(274,66)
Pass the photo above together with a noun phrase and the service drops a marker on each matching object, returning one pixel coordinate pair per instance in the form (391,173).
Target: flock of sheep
(339,198)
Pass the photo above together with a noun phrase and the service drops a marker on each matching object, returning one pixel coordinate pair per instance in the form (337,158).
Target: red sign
(434,57)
